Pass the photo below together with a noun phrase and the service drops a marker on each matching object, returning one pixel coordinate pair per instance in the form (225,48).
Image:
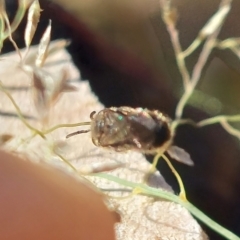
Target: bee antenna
(77,132)
(92,114)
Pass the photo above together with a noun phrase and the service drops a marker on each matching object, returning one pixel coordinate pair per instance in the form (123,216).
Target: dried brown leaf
(43,46)
(32,22)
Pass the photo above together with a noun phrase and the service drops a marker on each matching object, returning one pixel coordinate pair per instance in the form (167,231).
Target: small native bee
(138,129)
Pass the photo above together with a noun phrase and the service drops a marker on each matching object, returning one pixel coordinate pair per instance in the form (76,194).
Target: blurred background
(123,49)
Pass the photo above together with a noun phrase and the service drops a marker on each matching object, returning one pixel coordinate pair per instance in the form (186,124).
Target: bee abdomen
(162,134)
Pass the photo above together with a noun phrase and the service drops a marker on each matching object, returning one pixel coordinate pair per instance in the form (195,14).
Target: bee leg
(156,159)
(153,167)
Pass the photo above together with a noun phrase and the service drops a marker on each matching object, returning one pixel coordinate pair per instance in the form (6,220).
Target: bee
(143,130)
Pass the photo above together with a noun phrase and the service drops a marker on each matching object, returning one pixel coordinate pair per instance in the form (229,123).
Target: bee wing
(180,155)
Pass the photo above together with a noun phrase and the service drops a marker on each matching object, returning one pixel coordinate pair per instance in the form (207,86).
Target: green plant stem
(19,113)
(173,33)
(10,35)
(231,130)
(153,192)
(182,193)
(18,17)
(197,71)
(209,222)
(66,162)
(207,49)
(218,119)
(2,27)
(40,133)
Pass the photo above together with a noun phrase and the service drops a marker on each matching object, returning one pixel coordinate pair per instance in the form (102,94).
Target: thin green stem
(19,113)
(231,130)
(2,27)
(18,17)
(194,45)
(173,33)
(174,171)
(10,35)
(209,222)
(153,192)
(40,133)
(197,71)
(176,123)
(218,119)
(182,193)
(66,161)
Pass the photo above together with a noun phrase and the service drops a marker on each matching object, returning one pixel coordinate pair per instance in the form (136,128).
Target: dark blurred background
(123,49)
